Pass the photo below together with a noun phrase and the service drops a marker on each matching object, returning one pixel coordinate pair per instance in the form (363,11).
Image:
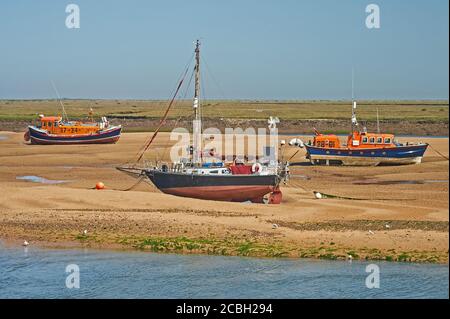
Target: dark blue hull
(232,188)
(108,136)
(409,154)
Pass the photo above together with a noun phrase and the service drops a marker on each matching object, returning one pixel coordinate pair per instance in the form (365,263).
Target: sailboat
(217,181)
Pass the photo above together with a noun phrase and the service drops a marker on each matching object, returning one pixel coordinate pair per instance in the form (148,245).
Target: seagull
(388,226)
(275,226)
(85,232)
(371,232)
(318,195)
(350,257)
(25,243)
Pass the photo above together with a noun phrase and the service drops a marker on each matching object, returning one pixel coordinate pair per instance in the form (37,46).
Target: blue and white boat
(363,148)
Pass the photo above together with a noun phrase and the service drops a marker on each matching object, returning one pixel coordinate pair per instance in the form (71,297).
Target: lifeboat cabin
(356,140)
(54,125)
(363,149)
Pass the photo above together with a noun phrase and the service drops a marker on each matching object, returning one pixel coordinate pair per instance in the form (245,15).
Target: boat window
(49,124)
(372,140)
(365,140)
(379,140)
(214,172)
(387,140)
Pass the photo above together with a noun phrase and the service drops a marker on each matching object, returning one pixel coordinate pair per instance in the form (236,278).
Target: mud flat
(390,218)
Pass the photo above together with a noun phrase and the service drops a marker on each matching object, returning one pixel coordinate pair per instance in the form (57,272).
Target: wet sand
(397,212)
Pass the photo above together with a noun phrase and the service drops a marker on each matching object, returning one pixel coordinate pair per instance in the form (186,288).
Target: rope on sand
(439,153)
(319,195)
(140,179)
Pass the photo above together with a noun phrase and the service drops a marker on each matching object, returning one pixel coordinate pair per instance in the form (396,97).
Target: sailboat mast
(197,124)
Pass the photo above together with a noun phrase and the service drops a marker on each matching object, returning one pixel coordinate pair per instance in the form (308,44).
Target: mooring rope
(439,153)
(324,195)
(140,179)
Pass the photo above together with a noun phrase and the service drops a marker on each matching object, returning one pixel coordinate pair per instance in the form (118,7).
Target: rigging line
(213,78)
(188,85)
(64,114)
(186,66)
(180,80)
(202,89)
(181,116)
(166,113)
(182,75)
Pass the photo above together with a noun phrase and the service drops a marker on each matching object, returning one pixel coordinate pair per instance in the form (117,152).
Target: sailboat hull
(231,188)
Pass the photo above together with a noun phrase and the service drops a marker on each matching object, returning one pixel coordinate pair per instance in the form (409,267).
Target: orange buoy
(99,186)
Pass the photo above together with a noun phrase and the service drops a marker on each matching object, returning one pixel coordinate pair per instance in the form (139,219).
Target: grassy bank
(234,245)
(230,109)
(249,248)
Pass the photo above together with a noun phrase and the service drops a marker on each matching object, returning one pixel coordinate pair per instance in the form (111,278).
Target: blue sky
(291,49)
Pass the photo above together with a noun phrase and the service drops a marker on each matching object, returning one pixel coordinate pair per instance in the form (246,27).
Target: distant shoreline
(289,127)
(406,117)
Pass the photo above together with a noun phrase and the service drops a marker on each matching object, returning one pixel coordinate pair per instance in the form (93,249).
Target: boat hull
(231,188)
(399,155)
(41,137)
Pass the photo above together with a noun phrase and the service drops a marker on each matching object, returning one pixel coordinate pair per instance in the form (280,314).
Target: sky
(253,49)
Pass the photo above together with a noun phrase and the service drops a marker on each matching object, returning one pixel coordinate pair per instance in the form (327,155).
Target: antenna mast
(354,120)
(64,114)
(197,124)
(378,123)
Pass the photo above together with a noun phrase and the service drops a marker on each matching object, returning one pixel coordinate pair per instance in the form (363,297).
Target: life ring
(256,168)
